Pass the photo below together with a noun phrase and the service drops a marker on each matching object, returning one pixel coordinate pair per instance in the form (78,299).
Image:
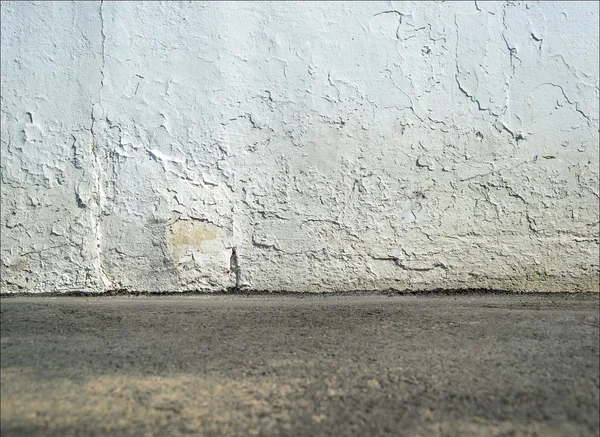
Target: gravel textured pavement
(301,365)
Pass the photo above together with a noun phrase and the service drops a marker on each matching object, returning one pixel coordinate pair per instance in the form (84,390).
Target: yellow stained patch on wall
(189,240)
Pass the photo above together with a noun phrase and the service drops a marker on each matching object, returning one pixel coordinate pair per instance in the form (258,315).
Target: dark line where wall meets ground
(232,291)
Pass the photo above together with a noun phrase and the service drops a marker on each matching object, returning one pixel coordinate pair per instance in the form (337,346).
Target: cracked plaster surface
(303,147)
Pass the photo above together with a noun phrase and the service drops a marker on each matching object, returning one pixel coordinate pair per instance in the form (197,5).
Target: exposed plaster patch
(197,242)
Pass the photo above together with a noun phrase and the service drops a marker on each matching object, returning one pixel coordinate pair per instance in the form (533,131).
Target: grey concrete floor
(464,365)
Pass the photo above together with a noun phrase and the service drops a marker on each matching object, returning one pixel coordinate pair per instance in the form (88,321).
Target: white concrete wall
(299,146)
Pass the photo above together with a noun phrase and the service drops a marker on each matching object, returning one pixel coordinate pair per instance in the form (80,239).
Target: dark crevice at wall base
(251,293)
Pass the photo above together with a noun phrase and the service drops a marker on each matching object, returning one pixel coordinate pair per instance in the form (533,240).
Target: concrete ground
(436,365)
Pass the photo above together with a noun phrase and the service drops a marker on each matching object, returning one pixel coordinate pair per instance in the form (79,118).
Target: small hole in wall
(479,136)
(419,195)
(28,117)
(80,203)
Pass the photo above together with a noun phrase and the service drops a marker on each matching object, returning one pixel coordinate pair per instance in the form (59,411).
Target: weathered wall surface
(299,146)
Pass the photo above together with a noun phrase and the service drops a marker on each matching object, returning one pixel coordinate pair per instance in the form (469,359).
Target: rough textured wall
(299,146)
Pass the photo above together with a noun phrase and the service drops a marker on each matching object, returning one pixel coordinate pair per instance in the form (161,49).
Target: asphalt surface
(465,365)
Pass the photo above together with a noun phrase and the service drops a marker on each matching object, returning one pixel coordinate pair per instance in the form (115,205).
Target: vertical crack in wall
(100,195)
(236,234)
(234,266)
(512,51)
(473,98)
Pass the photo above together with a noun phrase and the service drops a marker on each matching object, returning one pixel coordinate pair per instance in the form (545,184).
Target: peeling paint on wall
(299,146)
